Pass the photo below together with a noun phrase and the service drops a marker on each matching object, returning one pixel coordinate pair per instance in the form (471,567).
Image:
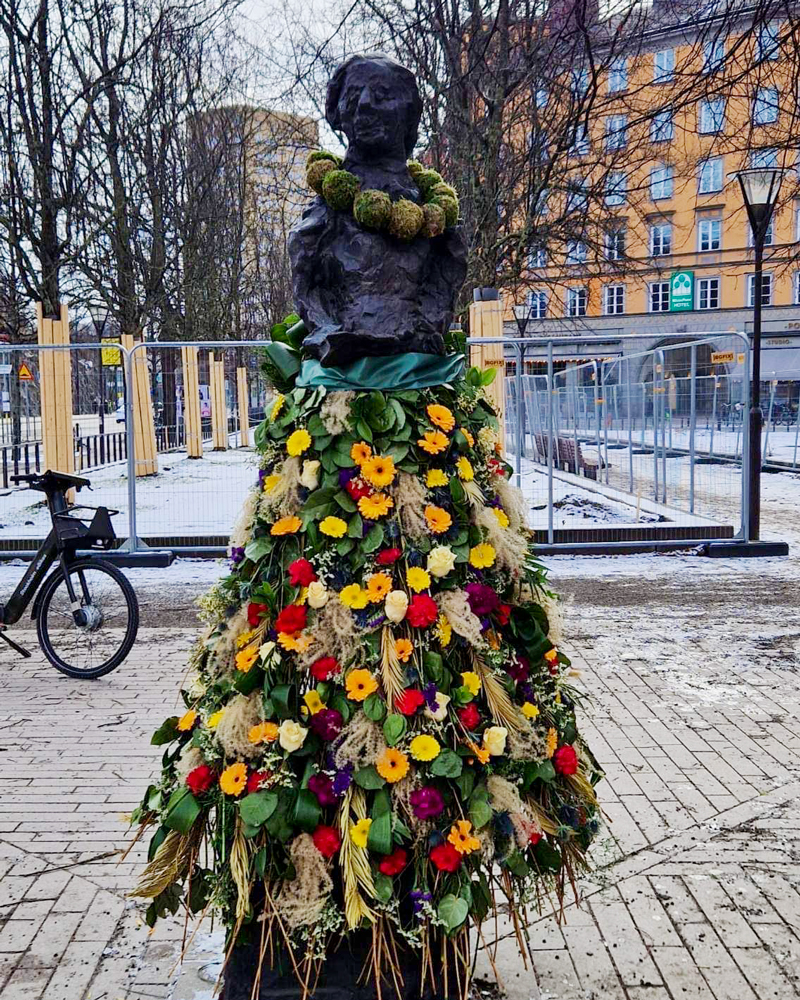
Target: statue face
(374,108)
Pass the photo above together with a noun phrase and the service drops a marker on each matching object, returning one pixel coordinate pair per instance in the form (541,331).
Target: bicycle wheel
(111,614)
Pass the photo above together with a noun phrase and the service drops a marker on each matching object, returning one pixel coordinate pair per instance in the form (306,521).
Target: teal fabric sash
(399,371)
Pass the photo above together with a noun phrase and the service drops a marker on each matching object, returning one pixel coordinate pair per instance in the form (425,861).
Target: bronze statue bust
(362,293)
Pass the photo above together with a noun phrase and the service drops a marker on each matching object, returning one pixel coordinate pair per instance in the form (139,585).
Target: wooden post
(219,415)
(144,431)
(55,373)
(191,403)
(486,320)
(244,407)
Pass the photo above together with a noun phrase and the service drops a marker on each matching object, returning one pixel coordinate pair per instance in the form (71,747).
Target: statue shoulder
(312,224)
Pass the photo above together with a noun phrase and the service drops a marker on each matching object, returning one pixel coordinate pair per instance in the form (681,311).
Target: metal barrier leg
(692,424)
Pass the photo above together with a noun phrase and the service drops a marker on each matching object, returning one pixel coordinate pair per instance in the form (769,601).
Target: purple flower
(419,898)
(482,599)
(430,692)
(322,786)
(262,475)
(237,555)
(519,669)
(342,780)
(345,475)
(327,723)
(426,802)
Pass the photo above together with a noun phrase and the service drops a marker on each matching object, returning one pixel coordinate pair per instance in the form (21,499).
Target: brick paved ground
(696,892)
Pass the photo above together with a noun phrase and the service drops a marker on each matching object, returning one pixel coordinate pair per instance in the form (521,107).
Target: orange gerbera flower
(441,416)
(481,753)
(378,586)
(378,470)
(360,684)
(295,642)
(375,506)
(245,658)
(404,649)
(265,732)
(360,452)
(233,779)
(392,765)
(438,519)
(461,837)
(286,525)
(551,655)
(186,721)
(468,436)
(433,442)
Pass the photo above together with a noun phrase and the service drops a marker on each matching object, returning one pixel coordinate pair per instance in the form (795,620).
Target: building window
(616,126)
(797,223)
(540,202)
(614,300)
(660,183)
(708,293)
(709,175)
(537,304)
(764,158)
(661,239)
(541,98)
(663,65)
(616,188)
(659,297)
(617,74)
(796,285)
(580,142)
(769,235)
(713,55)
(662,126)
(537,258)
(576,301)
(711,117)
(709,235)
(577,198)
(767,42)
(765,106)
(576,252)
(615,244)
(580,81)
(766,289)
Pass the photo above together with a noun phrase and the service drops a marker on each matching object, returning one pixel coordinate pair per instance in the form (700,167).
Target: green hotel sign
(681,291)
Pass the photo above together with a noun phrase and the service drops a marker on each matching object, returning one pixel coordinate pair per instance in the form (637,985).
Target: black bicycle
(86,611)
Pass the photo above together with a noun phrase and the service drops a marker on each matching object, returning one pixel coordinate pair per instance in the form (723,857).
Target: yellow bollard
(191,403)
(486,320)
(244,407)
(55,374)
(219,414)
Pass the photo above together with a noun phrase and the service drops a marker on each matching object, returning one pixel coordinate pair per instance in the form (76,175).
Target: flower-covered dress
(380,729)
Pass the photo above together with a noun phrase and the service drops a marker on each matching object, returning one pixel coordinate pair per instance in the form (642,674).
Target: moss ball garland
(450,208)
(339,189)
(317,171)
(372,209)
(435,220)
(406,220)
(427,180)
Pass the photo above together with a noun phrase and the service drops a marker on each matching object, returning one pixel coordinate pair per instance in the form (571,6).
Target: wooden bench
(567,456)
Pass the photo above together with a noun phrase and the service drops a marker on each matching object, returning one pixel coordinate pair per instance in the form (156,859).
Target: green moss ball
(415,168)
(317,171)
(372,209)
(322,154)
(406,220)
(443,189)
(339,189)
(450,206)
(434,224)
(427,180)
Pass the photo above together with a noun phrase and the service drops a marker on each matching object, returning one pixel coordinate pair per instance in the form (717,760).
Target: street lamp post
(760,187)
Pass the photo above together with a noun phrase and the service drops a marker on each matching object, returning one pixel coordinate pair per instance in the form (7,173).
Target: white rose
(494,739)
(396,606)
(310,475)
(441,560)
(291,735)
(317,596)
(266,650)
(442,701)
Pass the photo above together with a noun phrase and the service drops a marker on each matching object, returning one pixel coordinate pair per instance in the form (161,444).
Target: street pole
(756,417)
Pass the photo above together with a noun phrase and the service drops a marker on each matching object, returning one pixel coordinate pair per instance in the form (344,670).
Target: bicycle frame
(47,554)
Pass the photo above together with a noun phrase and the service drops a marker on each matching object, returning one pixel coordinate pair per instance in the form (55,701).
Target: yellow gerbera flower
(438,519)
(424,748)
(264,732)
(403,648)
(335,527)
(298,442)
(433,442)
(461,837)
(392,765)
(360,452)
(378,470)
(465,470)
(270,482)
(186,721)
(277,406)
(378,586)
(502,517)
(378,505)
(441,416)
(360,831)
(313,702)
(436,477)
(552,742)
(529,710)
(471,682)
(233,779)
(482,556)
(418,579)
(295,642)
(360,684)
(286,525)
(245,658)
(214,719)
(468,436)
(352,596)
(443,631)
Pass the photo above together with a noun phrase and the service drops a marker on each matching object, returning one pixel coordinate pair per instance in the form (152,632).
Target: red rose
(200,779)
(565,760)
(254,613)
(301,573)
(256,780)
(409,701)
(324,668)
(502,614)
(326,840)
(291,619)
(535,838)
(393,863)
(470,716)
(422,611)
(388,556)
(357,489)
(446,858)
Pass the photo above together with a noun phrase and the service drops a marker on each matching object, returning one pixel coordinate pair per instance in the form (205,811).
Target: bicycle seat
(51,482)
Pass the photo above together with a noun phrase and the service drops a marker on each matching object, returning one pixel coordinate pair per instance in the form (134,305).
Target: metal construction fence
(635,447)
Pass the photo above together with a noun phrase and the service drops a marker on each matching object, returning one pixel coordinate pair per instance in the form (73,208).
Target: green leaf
(346,502)
(284,700)
(379,838)
(342,705)
(547,857)
(355,527)
(284,358)
(452,911)
(394,729)
(344,546)
(465,783)
(246,683)
(278,825)
(381,804)
(307,811)
(260,861)
(397,452)
(156,841)
(480,812)
(383,886)
(166,732)
(517,865)
(198,891)
(399,414)
(182,810)
(257,808)
(433,666)
(447,764)
(456,489)
(257,548)
(487,376)
(374,707)
(368,778)
(364,430)
(320,497)
(374,538)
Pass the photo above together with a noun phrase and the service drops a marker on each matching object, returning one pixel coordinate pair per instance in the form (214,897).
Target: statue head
(375,102)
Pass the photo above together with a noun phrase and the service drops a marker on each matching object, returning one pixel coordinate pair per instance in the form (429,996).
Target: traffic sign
(110,355)
(722,357)
(681,291)
(24,374)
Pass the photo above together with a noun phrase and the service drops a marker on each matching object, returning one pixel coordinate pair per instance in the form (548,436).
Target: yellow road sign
(110,355)
(722,357)
(24,374)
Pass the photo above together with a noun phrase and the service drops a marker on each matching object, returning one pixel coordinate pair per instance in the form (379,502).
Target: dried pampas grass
(237,720)
(513,501)
(510,546)
(334,634)
(410,500)
(189,759)
(335,411)
(455,606)
(360,744)
(504,711)
(243,527)
(301,901)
